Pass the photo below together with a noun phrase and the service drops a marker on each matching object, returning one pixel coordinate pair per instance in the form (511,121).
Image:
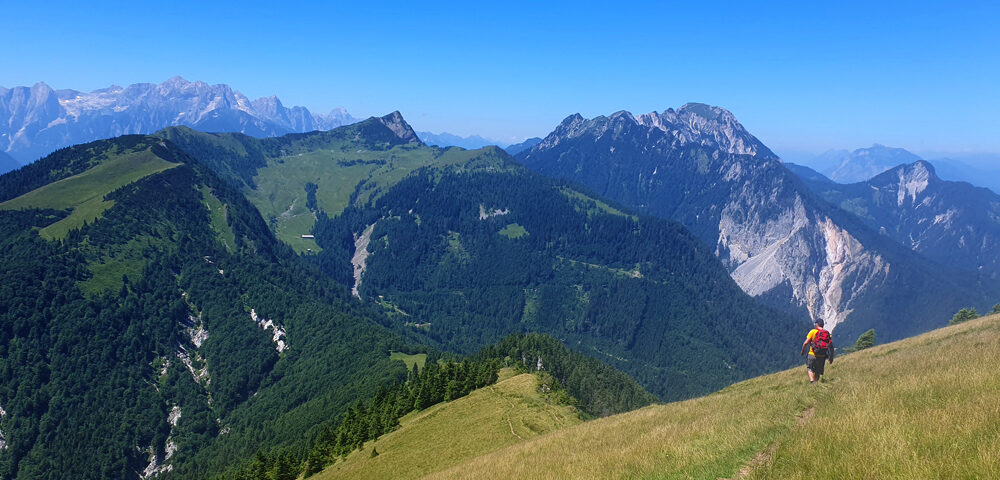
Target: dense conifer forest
(468,255)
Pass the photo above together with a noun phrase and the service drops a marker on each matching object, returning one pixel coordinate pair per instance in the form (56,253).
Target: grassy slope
(924,407)
(491,418)
(418,359)
(84,193)
(336,170)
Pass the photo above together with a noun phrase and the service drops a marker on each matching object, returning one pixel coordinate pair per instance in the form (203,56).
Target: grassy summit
(447,434)
(84,193)
(924,407)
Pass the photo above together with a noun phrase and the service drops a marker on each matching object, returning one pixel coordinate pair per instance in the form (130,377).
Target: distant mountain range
(445,139)
(37,120)
(843,166)
(779,240)
(475,141)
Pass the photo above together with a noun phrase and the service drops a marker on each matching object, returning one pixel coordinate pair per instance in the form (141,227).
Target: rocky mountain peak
(622,116)
(394,121)
(696,123)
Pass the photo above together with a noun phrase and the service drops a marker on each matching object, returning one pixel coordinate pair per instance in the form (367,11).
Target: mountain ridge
(38,120)
(713,176)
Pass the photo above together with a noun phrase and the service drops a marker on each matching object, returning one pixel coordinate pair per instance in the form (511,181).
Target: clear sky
(802,76)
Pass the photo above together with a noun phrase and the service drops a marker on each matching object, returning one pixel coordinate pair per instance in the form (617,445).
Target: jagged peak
(623,114)
(706,111)
(395,122)
(175,81)
(692,122)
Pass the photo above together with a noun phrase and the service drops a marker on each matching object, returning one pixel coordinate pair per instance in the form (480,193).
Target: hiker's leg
(812,376)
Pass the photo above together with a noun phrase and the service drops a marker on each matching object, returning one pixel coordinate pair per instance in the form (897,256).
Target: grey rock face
(699,166)
(38,120)
(953,223)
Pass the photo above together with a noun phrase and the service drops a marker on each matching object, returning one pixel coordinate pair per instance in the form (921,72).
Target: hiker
(820,344)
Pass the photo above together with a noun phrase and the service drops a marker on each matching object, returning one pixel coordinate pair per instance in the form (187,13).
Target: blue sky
(802,76)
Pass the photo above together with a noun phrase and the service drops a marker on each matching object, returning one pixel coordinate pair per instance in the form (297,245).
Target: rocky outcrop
(360,257)
(394,122)
(277,331)
(157,462)
(953,223)
(3,440)
(37,120)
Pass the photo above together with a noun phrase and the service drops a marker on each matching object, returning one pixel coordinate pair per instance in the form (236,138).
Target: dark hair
(818,321)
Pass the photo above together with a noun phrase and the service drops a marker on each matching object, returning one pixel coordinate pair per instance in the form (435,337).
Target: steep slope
(38,120)
(171,333)
(919,408)
(467,253)
(953,223)
(699,166)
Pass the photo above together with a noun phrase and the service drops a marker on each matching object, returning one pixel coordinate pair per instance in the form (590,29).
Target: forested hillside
(170,334)
(467,254)
(162,330)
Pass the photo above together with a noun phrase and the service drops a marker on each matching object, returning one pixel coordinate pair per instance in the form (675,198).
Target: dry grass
(925,407)
(451,433)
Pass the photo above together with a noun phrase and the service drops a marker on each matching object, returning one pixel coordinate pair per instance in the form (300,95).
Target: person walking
(820,345)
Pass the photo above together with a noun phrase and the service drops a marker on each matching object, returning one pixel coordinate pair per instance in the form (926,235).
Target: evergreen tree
(964,315)
(865,340)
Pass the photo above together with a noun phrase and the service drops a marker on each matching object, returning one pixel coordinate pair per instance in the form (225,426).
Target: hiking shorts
(815,364)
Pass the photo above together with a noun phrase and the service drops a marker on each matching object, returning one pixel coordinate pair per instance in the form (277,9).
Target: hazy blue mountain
(779,240)
(954,223)
(7,163)
(520,147)
(445,139)
(864,163)
(37,120)
(962,171)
